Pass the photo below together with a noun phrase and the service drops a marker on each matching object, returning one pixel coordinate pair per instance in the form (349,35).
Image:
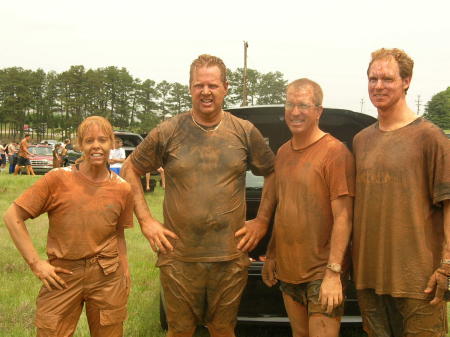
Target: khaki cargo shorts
(385,316)
(307,294)
(198,293)
(103,289)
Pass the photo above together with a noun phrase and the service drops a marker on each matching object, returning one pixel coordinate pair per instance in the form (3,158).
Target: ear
(319,112)
(225,85)
(406,82)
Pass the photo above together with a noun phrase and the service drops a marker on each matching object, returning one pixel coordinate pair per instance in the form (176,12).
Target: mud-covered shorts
(385,316)
(22,161)
(103,289)
(307,294)
(203,293)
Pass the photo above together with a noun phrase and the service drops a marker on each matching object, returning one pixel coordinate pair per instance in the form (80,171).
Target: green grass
(19,287)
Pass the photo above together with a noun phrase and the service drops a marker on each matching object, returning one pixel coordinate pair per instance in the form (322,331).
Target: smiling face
(95,146)
(301,113)
(208,93)
(386,87)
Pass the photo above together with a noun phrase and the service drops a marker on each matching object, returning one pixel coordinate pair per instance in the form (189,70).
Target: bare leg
(298,315)
(221,332)
(324,326)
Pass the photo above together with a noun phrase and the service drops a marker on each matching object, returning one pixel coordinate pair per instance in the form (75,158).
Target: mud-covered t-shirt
(306,181)
(83,215)
(204,202)
(402,178)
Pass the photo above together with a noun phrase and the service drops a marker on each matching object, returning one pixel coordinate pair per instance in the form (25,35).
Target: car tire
(162,314)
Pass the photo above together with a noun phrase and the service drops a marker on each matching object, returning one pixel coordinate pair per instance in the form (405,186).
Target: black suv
(261,305)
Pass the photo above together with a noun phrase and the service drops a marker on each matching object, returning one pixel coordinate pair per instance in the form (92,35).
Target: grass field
(19,286)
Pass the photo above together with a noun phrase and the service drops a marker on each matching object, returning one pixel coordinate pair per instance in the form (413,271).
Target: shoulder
(120,182)
(366,131)
(236,121)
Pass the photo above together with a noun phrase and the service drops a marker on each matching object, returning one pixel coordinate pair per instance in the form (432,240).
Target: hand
(438,280)
(156,235)
(269,272)
(47,274)
(253,231)
(331,294)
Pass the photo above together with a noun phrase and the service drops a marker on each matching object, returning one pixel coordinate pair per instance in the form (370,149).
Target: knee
(179,333)
(221,331)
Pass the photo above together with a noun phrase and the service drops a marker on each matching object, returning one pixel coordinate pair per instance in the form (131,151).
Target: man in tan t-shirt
(401,237)
(313,193)
(203,242)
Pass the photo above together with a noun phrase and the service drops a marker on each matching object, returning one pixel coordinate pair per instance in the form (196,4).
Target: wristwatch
(335,267)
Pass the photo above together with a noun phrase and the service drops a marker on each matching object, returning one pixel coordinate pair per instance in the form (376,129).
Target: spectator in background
(63,155)
(117,156)
(11,151)
(2,157)
(68,144)
(24,156)
(56,156)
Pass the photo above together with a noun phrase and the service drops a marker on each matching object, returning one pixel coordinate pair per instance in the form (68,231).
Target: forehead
(205,73)
(384,66)
(304,93)
(94,130)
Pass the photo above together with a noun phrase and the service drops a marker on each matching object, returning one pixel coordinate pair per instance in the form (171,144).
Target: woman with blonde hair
(88,208)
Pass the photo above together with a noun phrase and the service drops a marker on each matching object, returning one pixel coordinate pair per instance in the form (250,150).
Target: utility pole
(418,104)
(244,89)
(362,104)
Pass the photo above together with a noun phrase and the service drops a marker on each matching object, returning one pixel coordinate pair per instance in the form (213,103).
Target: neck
(94,173)
(304,139)
(395,117)
(207,120)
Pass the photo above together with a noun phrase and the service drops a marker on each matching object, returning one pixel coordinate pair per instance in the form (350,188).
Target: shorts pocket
(113,316)
(48,323)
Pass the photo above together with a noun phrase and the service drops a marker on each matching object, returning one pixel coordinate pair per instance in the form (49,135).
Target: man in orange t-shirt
(313,193)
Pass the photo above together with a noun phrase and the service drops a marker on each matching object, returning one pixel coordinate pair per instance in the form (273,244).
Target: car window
(40,151)
(129,140)
(252,181)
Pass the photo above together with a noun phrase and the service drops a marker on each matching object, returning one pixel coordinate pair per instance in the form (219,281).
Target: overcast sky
(327,41)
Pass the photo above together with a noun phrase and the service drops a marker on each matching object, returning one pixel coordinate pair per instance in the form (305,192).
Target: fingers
(247,243)
(241,232)
(430,284)
(62,270)
(438,297)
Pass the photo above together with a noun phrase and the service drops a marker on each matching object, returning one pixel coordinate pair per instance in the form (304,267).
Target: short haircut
(306,82)
(405,63)
(27,135)
(206,60)
(85,125)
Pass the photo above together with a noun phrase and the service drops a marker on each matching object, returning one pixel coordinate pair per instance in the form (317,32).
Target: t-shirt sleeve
(438,159)
(126,217)
(36,199)
(147,156)
(261,157)
(340,173)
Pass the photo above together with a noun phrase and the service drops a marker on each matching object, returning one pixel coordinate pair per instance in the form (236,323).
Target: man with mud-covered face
(401,235)
(202,244)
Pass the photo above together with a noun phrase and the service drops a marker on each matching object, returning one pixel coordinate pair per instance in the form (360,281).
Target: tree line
(60,101)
